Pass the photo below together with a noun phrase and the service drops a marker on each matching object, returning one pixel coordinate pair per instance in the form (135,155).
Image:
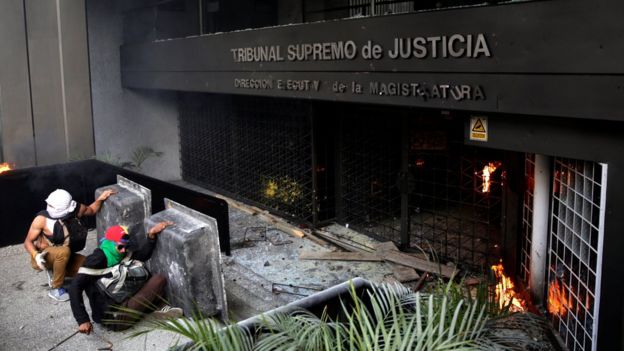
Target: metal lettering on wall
(443,46)
(424,91)
(400,48)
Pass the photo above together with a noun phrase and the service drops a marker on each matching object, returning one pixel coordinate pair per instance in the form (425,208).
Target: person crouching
(114,249)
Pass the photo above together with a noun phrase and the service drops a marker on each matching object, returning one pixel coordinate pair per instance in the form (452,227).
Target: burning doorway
(412,180)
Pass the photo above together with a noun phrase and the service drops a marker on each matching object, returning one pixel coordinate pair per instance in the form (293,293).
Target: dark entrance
(406,176)
(393,173)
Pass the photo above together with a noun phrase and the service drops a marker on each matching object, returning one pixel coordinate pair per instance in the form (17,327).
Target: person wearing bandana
(48,238)
(114,247)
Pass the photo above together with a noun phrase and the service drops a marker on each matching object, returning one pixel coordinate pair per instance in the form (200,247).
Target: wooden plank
(287,228)
(387,251)
(405,274)
(390,246)
(277,222)
(357,246)
(340,243)
(339,256)
(417,263)
(317,239)
(386,246)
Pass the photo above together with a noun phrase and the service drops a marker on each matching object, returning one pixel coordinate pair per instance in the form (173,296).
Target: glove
(40,260)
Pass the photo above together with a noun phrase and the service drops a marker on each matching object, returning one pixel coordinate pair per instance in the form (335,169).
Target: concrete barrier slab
(129,207)
(189,255)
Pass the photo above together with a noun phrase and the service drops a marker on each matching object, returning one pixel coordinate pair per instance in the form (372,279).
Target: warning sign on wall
(479,128)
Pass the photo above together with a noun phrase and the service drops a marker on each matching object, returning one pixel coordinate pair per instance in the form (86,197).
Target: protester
(55,234)
(115,250)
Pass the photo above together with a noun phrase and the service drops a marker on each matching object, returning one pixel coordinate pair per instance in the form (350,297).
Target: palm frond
(300,330)
(385,317)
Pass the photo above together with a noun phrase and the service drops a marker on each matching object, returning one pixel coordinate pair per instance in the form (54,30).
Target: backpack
(77,233)
(68,228)
(126,279)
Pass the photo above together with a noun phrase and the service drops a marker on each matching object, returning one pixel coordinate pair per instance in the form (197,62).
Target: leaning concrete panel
(188,254)
(130,206)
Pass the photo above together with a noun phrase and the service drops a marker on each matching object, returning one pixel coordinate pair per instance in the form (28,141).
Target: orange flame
(505,294)
(487,171)
(5,167)
(558,303)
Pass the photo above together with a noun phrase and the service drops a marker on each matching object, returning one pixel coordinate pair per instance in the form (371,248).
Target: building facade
(479,131)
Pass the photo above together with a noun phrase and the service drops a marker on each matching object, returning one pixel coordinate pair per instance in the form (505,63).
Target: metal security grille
(578,204)
(527,218)
(408,178)
(325,10)
(446,210)
(370,163)
(378,7)
(449,211)
(250,148)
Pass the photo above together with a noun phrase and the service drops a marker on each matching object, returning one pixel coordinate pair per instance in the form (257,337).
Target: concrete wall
(48,78)
(125,119)
(75,69)
(17,143)
(59,80)
(45,106)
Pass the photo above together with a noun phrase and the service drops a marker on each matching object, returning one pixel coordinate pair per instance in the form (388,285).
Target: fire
(5,167)
(487,172)
(505,294)
(557,302)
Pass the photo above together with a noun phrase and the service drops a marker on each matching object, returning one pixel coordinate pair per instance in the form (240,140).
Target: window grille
(575,250)
(251,148)
(382,7)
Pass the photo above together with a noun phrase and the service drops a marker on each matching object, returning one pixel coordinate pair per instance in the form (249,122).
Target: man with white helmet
(49,238)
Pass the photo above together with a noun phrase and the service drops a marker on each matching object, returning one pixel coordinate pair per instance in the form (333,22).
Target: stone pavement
(30,320)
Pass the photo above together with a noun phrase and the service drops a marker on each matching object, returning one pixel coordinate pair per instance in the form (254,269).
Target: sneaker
(168,312)
(50,276)
(59,294)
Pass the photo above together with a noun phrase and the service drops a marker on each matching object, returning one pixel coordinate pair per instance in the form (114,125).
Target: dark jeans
(145,300)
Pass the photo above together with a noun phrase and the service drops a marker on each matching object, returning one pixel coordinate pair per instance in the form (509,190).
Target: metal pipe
(539,234)
(313,300)
(62,341)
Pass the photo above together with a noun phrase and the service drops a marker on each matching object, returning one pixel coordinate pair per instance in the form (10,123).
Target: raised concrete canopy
(189,255)
(484,58)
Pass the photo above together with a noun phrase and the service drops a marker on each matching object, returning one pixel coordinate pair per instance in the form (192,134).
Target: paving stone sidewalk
(30,320)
